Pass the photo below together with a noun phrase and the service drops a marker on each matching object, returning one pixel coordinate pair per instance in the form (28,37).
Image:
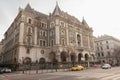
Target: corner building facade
(34,36)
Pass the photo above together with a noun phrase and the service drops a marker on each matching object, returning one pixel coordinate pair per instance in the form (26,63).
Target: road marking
(116,78)
(110,77)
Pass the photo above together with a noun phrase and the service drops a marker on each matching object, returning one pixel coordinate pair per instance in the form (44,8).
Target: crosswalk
(9,75)
(100,74)
(111,77)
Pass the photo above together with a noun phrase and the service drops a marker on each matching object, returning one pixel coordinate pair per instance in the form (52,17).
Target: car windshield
(106,65)
(77,66)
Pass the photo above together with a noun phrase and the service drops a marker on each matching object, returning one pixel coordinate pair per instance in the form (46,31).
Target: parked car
(6,70)
(77,68)
(106,66)
(1,70)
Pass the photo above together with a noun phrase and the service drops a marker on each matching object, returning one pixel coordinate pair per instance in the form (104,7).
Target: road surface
(88,74)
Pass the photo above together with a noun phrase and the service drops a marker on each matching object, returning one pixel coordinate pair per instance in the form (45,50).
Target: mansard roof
(70,17)
(36,13)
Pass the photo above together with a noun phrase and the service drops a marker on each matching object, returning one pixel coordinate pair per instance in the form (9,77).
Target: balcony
(80,48)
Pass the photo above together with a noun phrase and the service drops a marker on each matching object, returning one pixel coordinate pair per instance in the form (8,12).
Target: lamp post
(36,55)
(22,64)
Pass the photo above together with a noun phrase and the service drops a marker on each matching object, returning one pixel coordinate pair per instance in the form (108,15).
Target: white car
(106,66)
(7,70)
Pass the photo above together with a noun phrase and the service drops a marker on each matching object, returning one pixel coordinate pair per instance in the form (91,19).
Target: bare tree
(116,55)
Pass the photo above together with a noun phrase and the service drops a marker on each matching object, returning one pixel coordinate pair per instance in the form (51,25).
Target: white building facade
(34,36)
(105,47)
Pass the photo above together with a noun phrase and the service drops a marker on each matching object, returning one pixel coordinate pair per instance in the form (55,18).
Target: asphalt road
(88,74)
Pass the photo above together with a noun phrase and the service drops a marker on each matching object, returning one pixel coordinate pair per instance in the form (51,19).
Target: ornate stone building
(34,36)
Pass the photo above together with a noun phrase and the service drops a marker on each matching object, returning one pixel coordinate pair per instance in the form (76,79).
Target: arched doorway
(42,60)
(52,56)
(27,60)
(86,57)
(73,57)
(80,56)
(63,56)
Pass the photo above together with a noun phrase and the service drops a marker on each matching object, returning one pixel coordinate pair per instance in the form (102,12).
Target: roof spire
(28,7)
(84,22)
(56,2)
(57,10)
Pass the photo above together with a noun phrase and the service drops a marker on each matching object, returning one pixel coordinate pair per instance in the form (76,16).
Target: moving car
(77,68)
(106,66)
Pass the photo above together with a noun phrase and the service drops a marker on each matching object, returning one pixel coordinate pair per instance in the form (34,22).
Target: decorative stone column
(35,36)
(21,36)
(58,56)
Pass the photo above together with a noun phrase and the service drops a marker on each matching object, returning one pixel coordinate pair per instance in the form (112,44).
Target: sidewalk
(46,71)
(41,71)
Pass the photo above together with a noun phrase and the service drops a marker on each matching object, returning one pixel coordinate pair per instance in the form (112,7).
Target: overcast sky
(102,15)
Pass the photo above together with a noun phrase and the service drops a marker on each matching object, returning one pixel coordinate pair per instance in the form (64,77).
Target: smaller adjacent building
(106,47)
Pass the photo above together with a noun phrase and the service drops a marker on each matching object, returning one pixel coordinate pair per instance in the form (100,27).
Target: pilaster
(21,36)
(35,36)
(57,36)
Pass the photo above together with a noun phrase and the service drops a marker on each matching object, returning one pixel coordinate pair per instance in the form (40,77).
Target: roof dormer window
(29,20)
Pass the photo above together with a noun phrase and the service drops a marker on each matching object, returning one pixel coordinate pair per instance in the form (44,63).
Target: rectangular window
(62,24)
(44,43)
(107,47)
(28,51)
(102,54)
(106,41)
(108,54)
(97,44)
(42,24)
(52,42)
(98,48)
(101,48)
(98,54)
(40,42)
(44,33)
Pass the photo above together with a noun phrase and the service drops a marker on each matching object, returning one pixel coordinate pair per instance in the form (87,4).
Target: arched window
(80,56)
(29,21)
(63,41)
(29,30)
(29,40)
(27,60)
(63,56)
(42,60)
